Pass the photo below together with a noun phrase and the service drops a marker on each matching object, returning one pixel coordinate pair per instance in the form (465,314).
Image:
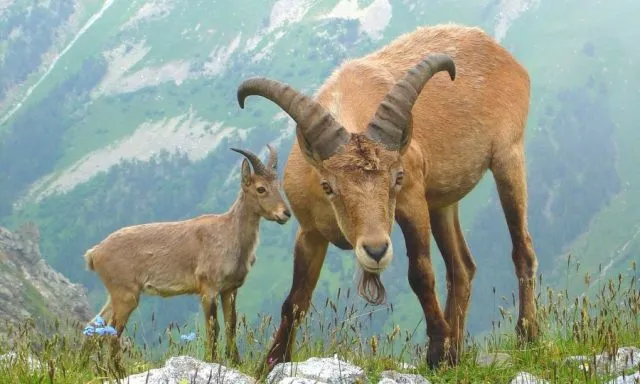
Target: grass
(571,326)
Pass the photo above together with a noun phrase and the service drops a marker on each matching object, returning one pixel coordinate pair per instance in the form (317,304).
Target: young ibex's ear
(246,172)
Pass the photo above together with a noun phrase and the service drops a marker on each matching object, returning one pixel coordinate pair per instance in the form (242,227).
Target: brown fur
(461,129)
(208,255)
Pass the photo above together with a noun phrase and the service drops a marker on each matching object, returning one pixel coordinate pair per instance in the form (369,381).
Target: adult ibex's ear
(245,173)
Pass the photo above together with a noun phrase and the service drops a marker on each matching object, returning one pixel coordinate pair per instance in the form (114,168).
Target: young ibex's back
(209,255)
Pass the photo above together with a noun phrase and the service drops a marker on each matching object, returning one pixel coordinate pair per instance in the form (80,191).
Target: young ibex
(209,255)
(373,147)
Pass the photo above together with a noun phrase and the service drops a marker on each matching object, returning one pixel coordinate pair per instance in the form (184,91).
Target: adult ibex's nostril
(287,213)
(376,252)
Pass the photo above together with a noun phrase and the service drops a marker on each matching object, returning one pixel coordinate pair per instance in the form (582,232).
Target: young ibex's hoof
(526,330)
(234,357)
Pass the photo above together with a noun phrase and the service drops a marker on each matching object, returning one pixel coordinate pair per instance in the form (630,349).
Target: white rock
(627,379)
(323,370)
(527,378)
(392,377)
(624,359)
(298,380)
(180,368)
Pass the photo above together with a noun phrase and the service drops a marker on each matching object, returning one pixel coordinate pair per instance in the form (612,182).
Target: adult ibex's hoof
(275,356)
(440,351)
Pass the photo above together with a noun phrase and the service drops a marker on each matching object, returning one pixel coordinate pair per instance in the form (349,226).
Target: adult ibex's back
(374,146)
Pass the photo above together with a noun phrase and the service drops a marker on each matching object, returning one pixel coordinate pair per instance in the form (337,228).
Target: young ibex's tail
(89,259)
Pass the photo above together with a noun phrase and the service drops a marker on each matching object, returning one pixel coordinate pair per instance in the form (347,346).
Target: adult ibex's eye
(399,178)
(261,190)
(326,188)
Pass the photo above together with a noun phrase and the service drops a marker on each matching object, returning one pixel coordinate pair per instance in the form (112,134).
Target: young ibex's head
(262,186)
(360,173)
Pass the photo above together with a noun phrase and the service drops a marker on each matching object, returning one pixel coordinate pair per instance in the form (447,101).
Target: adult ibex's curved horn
(391,123)
(258,166)
(319,134)
(272,164)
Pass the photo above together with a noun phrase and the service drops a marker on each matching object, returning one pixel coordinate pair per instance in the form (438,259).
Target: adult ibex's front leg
(412,214)
(309,254)
(460,266)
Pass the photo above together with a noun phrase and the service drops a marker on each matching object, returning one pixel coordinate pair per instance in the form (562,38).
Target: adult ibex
(209,255)
(372,147)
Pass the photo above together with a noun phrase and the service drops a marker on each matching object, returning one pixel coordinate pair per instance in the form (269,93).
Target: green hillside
(133,123)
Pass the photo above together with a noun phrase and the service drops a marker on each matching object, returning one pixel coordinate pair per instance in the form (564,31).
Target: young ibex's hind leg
(230,320)
(210,311)
(460,269)
(107,311)
(122,305)
(508,168)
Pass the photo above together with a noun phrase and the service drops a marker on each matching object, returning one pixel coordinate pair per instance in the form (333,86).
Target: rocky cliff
(30,288)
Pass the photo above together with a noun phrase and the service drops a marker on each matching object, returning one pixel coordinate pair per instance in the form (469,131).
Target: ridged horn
(258,166)
(319,134)
(391,123)
(273,158)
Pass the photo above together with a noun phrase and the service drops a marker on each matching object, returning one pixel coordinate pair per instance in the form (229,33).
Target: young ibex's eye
(261,190)
(326,188)
(399,178)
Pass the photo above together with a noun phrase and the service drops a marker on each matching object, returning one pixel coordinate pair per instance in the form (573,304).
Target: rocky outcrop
(181,369)
(30,288)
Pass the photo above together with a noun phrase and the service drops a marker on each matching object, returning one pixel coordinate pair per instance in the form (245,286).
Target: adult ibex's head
(360,173)
(262,185)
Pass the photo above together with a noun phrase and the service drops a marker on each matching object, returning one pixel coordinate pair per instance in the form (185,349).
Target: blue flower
(108,330)
(99,321)
(89,330)
(189,337)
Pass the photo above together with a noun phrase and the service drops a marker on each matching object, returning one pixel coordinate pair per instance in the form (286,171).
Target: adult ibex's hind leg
(460,268)
(508,168)
(309,254)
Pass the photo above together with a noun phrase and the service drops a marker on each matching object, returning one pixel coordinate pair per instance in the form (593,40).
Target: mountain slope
(30,288)
(133,123)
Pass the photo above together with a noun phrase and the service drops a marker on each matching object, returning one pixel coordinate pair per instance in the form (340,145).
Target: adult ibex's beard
(370,287)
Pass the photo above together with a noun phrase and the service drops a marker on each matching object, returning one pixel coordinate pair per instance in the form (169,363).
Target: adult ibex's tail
(89,259)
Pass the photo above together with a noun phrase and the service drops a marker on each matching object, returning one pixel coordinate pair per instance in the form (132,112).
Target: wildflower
(108,330)
(88,330)
(190,337)
(99,321)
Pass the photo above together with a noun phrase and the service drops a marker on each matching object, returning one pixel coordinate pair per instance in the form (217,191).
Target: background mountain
(119,112)
(30,288)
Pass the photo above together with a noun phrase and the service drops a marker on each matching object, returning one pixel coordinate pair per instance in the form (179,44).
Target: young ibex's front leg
(412,214)
(210,310)
(230,320)
(309,254)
